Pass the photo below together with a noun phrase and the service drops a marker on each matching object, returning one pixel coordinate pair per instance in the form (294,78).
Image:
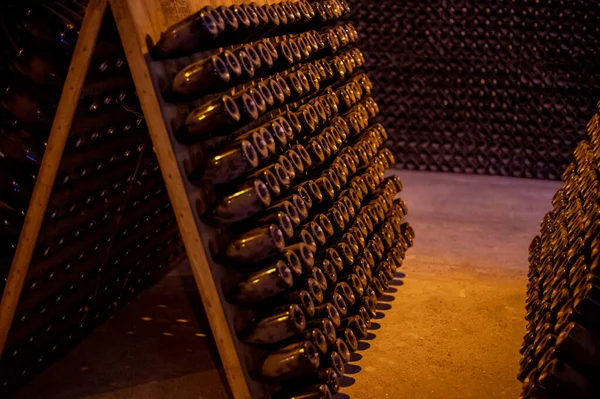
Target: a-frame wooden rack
(139,23)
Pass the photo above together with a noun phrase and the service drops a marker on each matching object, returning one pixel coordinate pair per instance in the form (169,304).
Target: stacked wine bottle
(561,349)
(487,87)
(270,116)
(109,230)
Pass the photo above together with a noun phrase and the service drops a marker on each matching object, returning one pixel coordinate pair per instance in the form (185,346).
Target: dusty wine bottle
(305,255)
(256,245)
(243,204)
(21,149)
(357,325)
(293,361)
(187,36)
(30,108)
(220,115)
(326,326)
(342,349)
(231,163)
(333,360)
(202,76)
(300,297)
(327,310)
(262,284)
(276,327)
(349,338)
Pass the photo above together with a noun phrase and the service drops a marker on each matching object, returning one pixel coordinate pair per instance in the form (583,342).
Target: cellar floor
(453,329)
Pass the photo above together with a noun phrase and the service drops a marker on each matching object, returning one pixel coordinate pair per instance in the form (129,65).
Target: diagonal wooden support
(52,157)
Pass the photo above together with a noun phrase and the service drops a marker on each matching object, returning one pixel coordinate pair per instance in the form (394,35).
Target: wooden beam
(133,20)
(57,140)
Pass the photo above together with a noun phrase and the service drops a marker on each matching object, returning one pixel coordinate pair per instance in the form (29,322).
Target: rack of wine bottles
(108,230)
(561,348)
(269,150)
(488,87)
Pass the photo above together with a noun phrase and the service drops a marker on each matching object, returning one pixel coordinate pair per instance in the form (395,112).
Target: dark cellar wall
(491,87)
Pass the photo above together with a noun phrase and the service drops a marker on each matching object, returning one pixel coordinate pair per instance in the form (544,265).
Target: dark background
(489,87)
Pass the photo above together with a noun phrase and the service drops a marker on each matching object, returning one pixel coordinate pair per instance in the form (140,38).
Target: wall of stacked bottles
(285,171)
(561,349)
(494,87)
(109,230)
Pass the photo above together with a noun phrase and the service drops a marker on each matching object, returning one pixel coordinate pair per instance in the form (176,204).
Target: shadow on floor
(159,336)
(351,368)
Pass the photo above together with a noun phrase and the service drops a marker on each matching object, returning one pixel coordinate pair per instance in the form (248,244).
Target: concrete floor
(451,329)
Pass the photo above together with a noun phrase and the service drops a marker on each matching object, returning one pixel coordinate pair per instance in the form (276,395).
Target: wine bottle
(346,292)
(220,115)
(232,24)
(276,278)
(353,281)
(187,36)
(323,221)
(342,349)
(300,297)
(579,346)
(316,233)
(276,327)
(337,300)
(318,275)
(256,245)
(267,176)
(328,271)
(327,376)
(271,214)
(327,328)
(290,362)
(21,149)
(40,66)
(305,255)
(49,26)
(246,102)
(334,361)
(281,182)
(357,325)
(29,108)
(231,163)
(315,336)
(202,76)
(243,203)
(327,310)
(261,140)
(563,381)
(349,338)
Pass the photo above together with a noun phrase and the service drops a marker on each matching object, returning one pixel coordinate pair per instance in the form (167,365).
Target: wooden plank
(54,151)
(134,21)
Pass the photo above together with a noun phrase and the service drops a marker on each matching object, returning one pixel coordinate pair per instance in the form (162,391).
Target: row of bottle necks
(561,349)
(18,190)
